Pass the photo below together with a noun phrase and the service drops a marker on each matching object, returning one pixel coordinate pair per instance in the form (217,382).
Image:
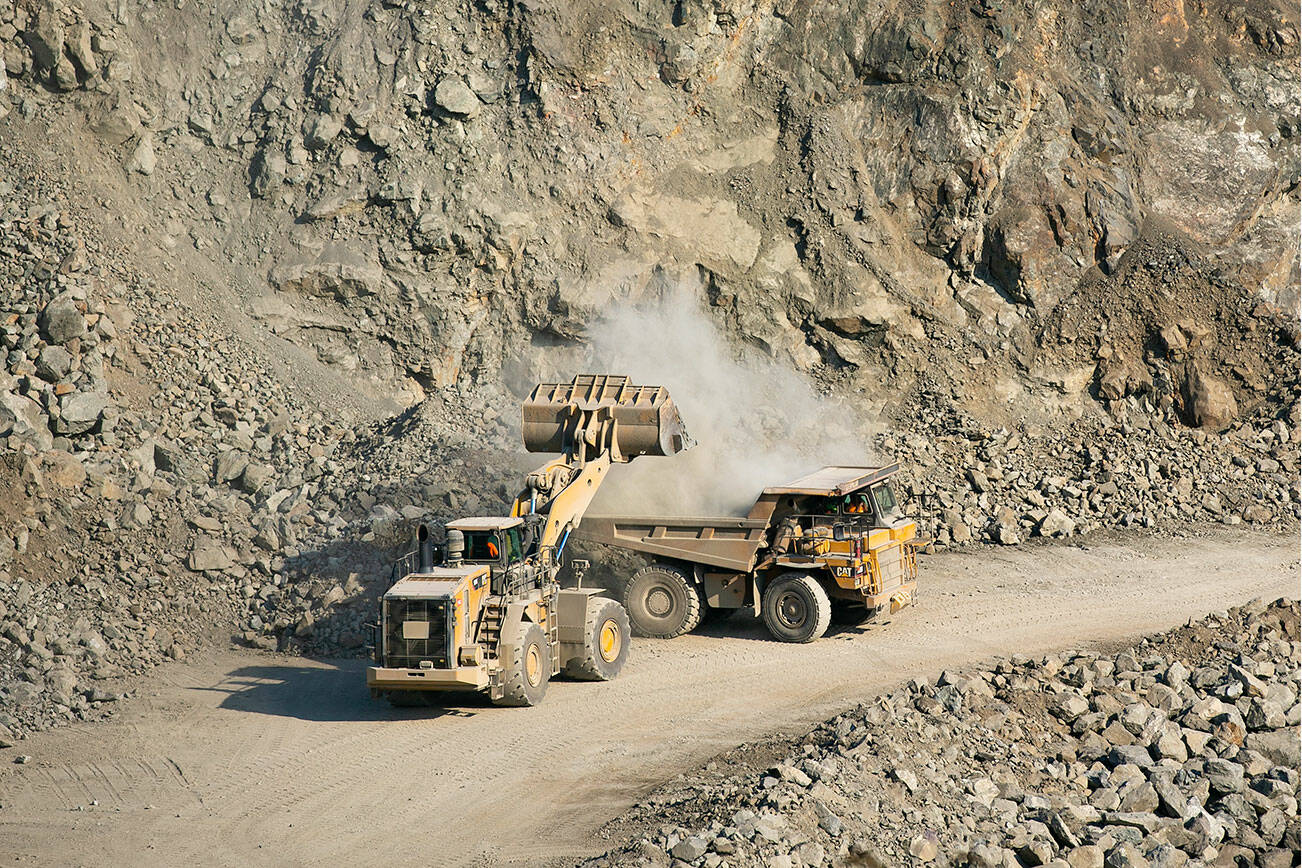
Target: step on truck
(482,609)
(835,536)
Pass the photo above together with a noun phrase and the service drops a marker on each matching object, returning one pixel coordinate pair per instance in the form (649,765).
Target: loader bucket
(646,421)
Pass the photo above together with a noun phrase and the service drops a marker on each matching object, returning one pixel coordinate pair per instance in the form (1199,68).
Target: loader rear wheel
(605,642)
(662,602)
(525,674)
(796,608)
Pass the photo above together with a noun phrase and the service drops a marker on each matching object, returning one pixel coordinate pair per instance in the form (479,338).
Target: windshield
(483,545)
(885,499)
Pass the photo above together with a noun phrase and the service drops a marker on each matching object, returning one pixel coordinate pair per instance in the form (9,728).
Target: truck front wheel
(662,602)
(796,608)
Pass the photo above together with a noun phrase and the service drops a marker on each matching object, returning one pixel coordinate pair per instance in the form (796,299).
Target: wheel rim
(533,665)
(659,602)
(609,641)
(792,611)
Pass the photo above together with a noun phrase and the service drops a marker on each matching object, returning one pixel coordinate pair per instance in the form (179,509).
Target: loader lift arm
(593,422)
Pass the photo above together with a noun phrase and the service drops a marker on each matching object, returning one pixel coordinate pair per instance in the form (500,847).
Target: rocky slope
(1181,750)
(276,275)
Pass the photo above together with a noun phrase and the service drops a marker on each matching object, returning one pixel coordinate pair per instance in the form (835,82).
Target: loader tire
(525,675)
(605,642)
(662,602)
(796,608)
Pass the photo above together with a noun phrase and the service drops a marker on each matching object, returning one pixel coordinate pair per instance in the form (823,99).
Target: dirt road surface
(252,758)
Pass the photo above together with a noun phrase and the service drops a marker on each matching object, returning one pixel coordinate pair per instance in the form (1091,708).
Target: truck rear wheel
(525,674)
(662,602)
(796,608)
(605,642)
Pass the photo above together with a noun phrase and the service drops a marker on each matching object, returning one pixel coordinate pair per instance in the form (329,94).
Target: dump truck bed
(726,542)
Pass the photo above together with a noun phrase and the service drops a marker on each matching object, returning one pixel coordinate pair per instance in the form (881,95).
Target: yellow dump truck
(482,609)
(834,535)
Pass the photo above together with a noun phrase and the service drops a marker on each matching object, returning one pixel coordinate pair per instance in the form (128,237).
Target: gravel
(1084,759)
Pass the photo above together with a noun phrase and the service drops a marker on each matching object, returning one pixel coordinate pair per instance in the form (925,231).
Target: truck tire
(662,602)
(605,642)
(796,608)
(525,675)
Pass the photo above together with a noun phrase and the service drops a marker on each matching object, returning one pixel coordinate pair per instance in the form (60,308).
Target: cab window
(512,545)
(483,545)
(885,501)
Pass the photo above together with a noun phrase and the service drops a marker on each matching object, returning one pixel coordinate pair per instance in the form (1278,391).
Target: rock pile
(1182,750)
(967,482)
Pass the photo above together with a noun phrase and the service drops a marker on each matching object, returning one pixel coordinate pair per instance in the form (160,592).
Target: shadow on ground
(335,691)
(744,625)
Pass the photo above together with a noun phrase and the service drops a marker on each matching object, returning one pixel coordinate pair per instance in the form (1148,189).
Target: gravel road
(248,758)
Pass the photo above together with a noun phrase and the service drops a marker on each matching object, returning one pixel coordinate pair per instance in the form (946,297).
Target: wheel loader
(833,536)
(482,610)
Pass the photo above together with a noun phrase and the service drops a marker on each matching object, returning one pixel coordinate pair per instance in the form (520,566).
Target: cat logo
(842,571)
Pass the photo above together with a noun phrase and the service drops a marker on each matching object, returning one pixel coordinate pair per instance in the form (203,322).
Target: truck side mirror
(838,532)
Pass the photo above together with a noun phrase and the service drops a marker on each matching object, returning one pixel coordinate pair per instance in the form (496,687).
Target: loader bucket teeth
(646,421)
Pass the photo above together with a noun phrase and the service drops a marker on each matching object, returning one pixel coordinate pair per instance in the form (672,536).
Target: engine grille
(401,653)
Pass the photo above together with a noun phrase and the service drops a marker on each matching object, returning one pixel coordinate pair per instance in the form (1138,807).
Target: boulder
(77,42)
(53,364)
(454,96)
(80,412)
(63,469)
(1056,524)
(209,554)
(321,130)
(45,37)
(1209,401)
(25,420)
(61,320)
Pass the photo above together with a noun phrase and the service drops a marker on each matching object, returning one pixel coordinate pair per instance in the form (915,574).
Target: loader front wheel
(605,642)
(796,608)
(526,672)
(662,602)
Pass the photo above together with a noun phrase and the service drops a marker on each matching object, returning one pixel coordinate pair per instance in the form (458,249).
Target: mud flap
(756,592)
(900,599)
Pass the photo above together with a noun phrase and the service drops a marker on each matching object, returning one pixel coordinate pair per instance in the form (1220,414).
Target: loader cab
(491,540)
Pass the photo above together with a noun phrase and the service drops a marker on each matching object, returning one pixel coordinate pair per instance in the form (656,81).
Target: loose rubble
(1182,750)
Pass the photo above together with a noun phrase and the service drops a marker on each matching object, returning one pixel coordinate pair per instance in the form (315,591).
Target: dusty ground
(253,758)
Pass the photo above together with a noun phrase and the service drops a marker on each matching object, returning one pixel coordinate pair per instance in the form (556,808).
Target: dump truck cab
(837,534)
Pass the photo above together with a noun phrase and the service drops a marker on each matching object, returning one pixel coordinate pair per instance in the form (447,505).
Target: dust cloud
(756,422)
